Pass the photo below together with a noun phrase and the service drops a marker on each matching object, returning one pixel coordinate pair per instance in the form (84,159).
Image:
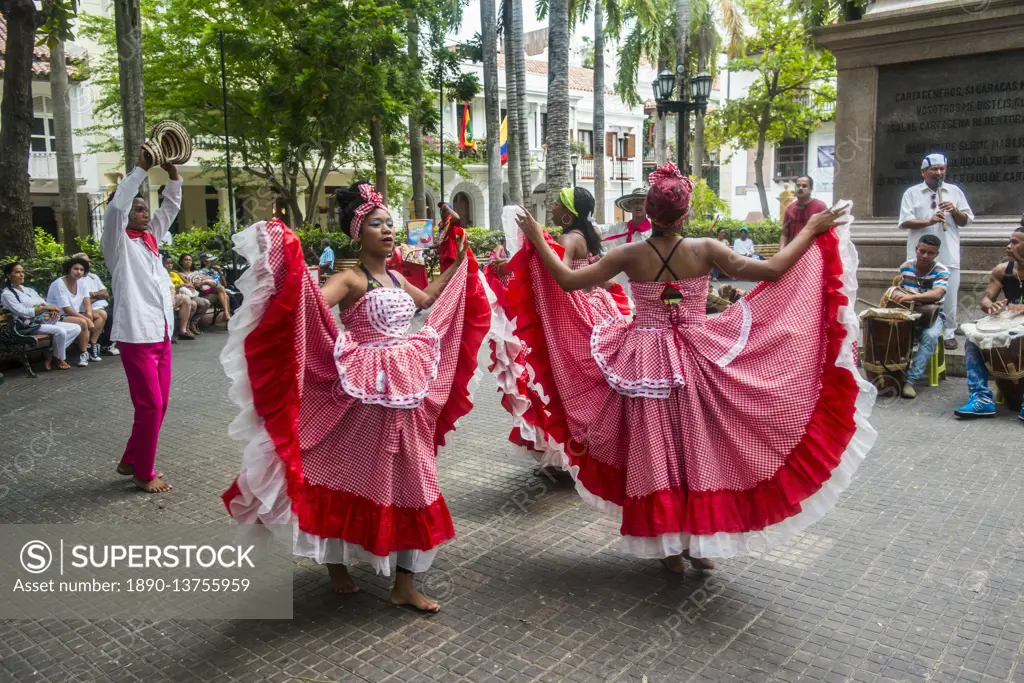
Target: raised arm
(735,266)
(593,275)
(164,216)
(425,298)
(115,219)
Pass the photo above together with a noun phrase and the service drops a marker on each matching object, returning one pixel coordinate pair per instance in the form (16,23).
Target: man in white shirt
(743,245)
(937,208)
(143,312)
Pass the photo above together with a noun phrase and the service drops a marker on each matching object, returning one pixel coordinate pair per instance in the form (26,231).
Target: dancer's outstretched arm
(425,298)
(594,275)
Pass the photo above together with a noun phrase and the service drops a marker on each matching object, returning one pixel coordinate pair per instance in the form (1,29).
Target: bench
(766,251)
(14,344)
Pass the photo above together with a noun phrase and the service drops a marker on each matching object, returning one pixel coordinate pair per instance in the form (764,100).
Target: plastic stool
(937,365)
(999,396)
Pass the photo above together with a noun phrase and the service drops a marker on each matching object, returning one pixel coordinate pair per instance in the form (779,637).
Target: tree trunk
(599,180)
(380,160)
(16,234)
(489,35)
(682,79)
(515,181)
(67,185)
(128,27)
(556,175)
(759,165)
(519,54)
(419,196)
(660,123)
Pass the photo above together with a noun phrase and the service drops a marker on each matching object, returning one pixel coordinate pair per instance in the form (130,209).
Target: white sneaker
(83,360)
(112,350)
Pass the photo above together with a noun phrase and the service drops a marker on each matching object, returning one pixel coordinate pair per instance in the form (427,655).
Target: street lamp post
(574,159)
(700,91)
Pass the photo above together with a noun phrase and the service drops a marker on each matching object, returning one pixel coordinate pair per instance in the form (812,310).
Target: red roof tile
(580,80)
(40,56)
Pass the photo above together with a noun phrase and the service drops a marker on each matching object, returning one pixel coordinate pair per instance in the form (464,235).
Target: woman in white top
(25,304)
(99,296)
(71,296)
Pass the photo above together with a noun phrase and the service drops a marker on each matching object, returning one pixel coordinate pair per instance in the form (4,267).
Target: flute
(938,188)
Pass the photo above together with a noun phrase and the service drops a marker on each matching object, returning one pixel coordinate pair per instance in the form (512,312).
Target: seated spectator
(197,306)
(743,245)
(99,296)
(31,312)
(207,287)
(71,296)
(212,270)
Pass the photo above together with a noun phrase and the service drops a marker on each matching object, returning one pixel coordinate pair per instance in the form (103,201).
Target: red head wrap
(668,200)
(371,200)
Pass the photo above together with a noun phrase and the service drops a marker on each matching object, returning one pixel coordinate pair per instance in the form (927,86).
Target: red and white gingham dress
(522,398)
(721,437)
(342,428)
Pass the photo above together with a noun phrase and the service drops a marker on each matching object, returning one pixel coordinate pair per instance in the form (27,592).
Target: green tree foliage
(304,79)
(790,94)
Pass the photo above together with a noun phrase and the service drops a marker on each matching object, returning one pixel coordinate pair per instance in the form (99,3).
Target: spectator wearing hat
(935,207)
(638,227)
(743,245)
(211,269)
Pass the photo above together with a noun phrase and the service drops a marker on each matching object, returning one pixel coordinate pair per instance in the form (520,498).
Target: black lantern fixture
(574,159)
(700,91)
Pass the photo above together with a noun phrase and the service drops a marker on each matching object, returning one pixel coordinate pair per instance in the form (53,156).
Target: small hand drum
(169,143)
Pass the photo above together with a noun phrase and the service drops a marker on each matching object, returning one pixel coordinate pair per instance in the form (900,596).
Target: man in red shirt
(800,211)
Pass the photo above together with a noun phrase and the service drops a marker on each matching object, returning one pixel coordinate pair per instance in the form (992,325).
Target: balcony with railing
(587,168)
(43,165)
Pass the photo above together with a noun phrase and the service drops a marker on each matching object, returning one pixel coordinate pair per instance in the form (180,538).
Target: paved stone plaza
(918,574)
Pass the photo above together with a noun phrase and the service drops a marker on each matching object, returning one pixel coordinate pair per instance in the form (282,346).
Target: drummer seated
(1006,279)
(925,281)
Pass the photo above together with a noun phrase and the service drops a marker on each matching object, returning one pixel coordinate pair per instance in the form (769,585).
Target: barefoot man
(143,312)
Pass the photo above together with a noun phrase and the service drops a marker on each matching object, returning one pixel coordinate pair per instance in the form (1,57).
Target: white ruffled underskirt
(506,372)
(727,545)
(263,497)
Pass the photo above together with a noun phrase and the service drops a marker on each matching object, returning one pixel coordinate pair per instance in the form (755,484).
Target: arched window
(43,138)
(463,206)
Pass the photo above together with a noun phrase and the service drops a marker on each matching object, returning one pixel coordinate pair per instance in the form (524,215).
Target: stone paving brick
(915,576)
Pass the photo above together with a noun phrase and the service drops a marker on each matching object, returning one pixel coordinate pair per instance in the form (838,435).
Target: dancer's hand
(463,245)
(530,227)
(821,223)
(172,170)
(143,161)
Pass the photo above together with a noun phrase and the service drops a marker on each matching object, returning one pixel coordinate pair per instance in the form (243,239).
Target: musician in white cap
(936,207)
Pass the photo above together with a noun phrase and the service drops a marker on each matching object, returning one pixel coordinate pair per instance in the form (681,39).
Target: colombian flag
(504,141)
(466,140)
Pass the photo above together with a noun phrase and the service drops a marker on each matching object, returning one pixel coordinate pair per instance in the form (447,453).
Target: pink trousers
(148,368)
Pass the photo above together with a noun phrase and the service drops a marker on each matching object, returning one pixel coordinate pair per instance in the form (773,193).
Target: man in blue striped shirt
(926,282)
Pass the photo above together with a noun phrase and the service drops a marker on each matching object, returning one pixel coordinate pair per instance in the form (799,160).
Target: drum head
(1004,322)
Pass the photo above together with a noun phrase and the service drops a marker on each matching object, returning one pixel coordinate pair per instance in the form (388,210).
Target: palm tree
(518,53)
(489,41)
(709,43)
(556,174)
(67,186)
(128,28)
(599,180)
(515,183)
(419,197)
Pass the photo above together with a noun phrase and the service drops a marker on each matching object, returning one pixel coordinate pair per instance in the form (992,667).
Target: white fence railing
(43,165)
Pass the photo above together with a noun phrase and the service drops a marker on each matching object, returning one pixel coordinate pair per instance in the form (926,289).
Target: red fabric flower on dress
(668,200)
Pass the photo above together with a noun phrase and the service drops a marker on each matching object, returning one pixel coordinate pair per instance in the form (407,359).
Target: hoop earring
(566,225)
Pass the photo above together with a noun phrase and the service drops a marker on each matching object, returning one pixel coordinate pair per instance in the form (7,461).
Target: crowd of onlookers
(75,310)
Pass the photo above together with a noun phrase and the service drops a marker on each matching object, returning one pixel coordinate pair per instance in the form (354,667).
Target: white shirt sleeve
(962,205)
(22,308)
(164,216)
(115,220)
(907,207)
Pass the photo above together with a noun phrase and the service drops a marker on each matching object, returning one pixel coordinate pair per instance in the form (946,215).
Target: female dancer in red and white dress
(709,438)
(521,397)
(341,428)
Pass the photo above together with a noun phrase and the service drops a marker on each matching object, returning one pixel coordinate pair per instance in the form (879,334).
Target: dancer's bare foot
(698,562)
(405,593)
(674,563)
(155,485)
(127,470)
(341,580)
